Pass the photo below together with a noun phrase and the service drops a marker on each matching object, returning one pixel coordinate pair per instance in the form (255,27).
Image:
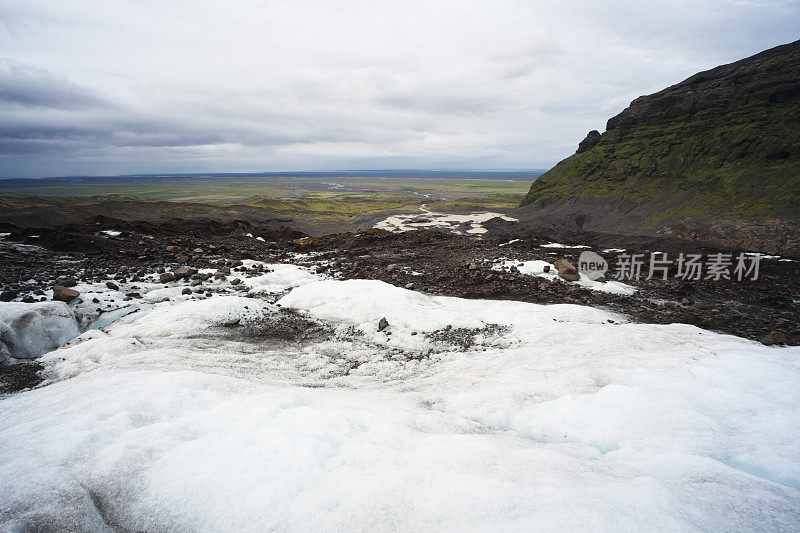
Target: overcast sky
(141,86)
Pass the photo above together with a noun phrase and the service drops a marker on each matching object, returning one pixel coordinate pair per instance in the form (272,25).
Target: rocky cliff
(715,157)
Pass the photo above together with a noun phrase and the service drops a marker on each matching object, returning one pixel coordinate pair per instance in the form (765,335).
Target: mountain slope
(715,157)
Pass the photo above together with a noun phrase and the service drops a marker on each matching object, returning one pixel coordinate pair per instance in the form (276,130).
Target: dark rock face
(721,148)
(592,138)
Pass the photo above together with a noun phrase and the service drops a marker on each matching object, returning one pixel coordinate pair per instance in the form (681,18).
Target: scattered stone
(7,296)
(173,248)
(166,277)
(473,266)
(183,272)
(67,282)
(778,337)
(232,323)
(186,290)
(383,324)
(567,270)
(111,285)
(235,281)
(392,267)
(63,294)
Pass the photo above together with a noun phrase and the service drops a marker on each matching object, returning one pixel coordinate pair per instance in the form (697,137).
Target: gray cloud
(201,86)
(22,85)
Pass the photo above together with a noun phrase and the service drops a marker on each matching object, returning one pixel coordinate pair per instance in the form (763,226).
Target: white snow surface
(281,277)
(430,219)
(559,245)
(569,418)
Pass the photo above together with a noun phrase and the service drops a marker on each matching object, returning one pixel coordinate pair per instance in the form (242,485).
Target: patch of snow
(512,241)
(536,268)
(559,245)
(281,278)
(430,219)
(111,232)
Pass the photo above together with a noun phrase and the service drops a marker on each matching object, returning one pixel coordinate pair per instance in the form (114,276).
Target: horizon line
(274,172)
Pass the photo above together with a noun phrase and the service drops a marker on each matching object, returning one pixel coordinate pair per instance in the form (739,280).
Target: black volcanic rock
(591,139)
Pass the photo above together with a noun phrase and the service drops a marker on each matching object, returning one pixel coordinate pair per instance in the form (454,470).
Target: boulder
(777,337)
(183,272)
(8,295)
(63,294)
(111,285)
(566,270)
(383,324)
(30,330)
(166,277)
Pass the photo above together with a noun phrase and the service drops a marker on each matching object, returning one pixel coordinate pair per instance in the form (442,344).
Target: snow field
(562,421)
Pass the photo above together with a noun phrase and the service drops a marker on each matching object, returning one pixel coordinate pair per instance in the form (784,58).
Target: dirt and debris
(429,261)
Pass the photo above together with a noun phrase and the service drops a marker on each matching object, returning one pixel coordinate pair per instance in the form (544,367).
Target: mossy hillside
(724,143)
(743,162)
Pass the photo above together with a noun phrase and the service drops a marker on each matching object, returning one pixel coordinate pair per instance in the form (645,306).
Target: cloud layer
(97,87)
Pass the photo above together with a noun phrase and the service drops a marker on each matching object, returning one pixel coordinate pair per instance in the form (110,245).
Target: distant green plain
(316,204)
